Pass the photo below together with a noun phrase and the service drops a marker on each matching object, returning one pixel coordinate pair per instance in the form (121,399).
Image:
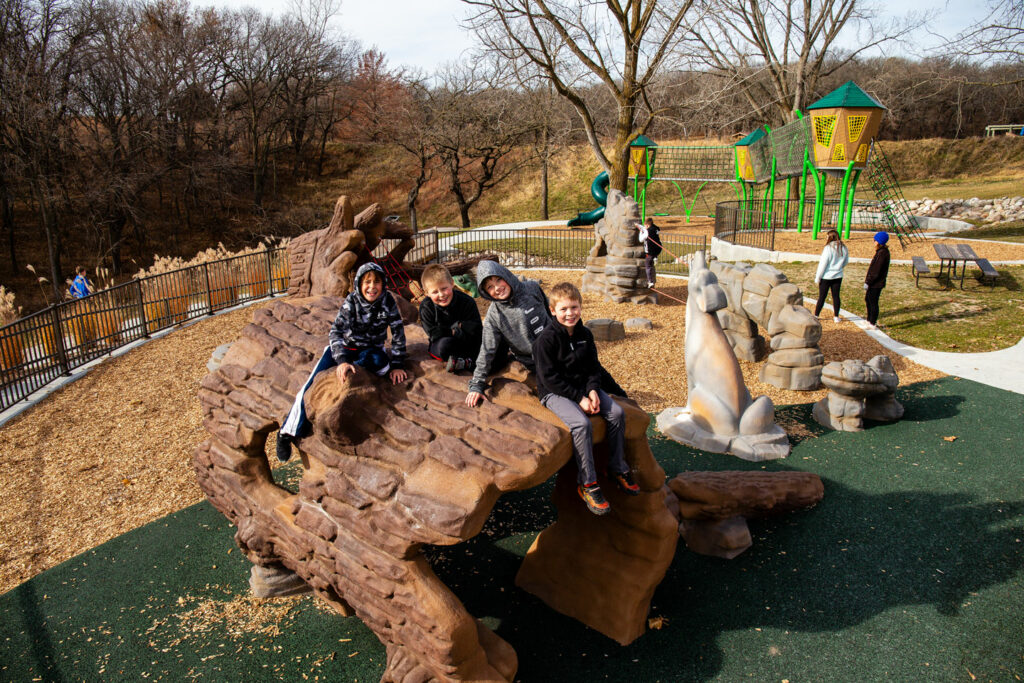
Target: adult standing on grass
(829,276)
(874,281)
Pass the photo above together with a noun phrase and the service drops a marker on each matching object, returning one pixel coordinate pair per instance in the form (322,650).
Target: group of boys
(521,324)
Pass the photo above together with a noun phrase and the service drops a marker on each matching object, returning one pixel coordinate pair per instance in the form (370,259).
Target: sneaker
(284,446)
(458,364)
(837,319)
(450,364)
(592,496)
(649,284)
(626,483)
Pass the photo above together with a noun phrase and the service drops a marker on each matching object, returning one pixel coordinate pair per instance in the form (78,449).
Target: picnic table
(951,254)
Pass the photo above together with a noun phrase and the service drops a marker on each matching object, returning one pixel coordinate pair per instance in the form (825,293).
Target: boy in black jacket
(569,384)
(451,320)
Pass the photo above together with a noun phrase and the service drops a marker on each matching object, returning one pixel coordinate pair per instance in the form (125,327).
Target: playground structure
(830,147)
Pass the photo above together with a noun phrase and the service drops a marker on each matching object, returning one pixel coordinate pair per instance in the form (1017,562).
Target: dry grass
(113,450)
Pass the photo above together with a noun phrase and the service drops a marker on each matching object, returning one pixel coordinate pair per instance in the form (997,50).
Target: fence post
(270,274)
(209,292)
(142,311)
(526,247)
(58,341)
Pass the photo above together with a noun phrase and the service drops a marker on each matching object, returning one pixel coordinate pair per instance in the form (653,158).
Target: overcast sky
(425,33)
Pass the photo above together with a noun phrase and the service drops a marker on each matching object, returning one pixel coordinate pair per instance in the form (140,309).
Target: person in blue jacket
(80,287)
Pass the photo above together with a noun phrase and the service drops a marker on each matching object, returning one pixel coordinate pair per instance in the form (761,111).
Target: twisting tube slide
(599,190)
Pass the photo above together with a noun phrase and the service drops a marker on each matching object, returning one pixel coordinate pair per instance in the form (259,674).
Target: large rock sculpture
(719,415)
(387,469)
(713,507)
(761,295)
(858,391)
(615,264)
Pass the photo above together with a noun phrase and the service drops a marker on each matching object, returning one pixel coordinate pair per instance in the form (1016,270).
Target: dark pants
(447,347)
(578,422)
(823,287)
(649,267)
(871,301)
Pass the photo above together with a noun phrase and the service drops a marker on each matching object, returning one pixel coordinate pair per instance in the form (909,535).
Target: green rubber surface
(909,569)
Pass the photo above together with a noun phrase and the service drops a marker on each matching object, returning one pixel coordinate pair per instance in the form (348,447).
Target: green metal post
(841,217)
(803,192)
(849,202)
(819,201)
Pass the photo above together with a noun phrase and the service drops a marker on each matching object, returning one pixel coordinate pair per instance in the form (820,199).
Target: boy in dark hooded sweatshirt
(518,313)
(357,337)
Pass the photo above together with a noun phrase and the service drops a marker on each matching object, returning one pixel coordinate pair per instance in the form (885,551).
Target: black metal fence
(753,223)
(46,345)
(553,247)
(41,347)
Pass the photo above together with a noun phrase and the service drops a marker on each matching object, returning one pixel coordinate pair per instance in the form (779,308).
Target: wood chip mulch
(113,450)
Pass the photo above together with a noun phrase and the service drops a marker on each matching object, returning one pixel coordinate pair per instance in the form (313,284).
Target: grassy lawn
(979,318)
(1007,232)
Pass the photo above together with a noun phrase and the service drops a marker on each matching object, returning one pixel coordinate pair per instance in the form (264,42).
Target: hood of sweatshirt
(486,269)
(357,285)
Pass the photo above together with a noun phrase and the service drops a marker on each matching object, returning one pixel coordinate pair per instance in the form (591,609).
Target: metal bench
(988,273)
(921,269)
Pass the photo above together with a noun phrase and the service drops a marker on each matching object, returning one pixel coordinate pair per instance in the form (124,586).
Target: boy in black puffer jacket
(451,320)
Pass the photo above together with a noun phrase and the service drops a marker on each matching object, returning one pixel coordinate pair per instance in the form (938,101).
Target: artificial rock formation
(719,415)
(388,468)
(615,264)
(606,329)
(713,507)
(761,295)
(858,391)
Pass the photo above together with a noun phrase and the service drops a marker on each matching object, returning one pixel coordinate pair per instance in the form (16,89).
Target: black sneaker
(284,446)
(592,496)
(626,483)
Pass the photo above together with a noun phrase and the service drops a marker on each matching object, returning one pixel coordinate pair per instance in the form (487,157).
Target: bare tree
(776,52)
(474,130)
(576,43)
(996,39)
(408,125)
(41,58)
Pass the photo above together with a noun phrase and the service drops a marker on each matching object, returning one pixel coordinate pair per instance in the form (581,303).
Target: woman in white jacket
(834,258)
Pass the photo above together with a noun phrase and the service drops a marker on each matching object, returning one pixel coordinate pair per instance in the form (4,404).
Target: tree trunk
(7,216)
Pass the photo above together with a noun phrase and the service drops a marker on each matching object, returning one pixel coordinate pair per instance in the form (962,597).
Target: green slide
(599,190)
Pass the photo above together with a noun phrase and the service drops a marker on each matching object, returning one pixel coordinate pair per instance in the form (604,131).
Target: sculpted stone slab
(387,469)
(858,391)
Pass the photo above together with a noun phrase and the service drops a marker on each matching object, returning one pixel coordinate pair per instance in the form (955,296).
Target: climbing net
(712,164)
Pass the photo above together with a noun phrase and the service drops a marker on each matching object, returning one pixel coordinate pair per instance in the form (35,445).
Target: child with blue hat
(874,281)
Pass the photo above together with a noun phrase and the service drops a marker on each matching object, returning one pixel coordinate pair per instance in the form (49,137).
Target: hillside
(935,168)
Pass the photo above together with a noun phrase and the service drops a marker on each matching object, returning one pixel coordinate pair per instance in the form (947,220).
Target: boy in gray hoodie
(518,313)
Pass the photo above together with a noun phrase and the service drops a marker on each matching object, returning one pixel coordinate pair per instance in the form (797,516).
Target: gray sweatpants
(578,422)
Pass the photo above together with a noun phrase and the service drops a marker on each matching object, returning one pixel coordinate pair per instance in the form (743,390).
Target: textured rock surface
(858,391)
(615,264)
(713,507)
(761,296)
(719,415)
(606,329)
(389,468)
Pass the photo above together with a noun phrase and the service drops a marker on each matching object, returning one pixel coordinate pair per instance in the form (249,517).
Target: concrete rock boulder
(761,297)
(615,264)
(858,391)
(713,507)
(387,469)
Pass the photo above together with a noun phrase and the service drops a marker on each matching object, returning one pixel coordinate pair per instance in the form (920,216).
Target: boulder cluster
(858,391)
(615,264)
(998,210)
(761,296)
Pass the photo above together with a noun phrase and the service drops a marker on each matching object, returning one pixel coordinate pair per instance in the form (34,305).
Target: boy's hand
(474,398)
(344,370)
(398,375)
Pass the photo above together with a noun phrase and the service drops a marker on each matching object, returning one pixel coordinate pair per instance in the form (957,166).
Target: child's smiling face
(440,293)
(567,312)
(497,288)
(371,286)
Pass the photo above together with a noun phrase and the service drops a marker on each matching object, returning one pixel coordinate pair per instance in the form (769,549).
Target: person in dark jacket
(357,338)
(874,281)
(451,320)
(569,385)
(650,236)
